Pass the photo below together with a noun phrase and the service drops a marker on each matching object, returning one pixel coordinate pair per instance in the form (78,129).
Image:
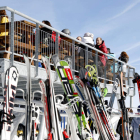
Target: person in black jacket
(45,33)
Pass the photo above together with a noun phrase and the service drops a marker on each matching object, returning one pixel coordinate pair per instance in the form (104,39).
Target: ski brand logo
(69,74)
(14,75)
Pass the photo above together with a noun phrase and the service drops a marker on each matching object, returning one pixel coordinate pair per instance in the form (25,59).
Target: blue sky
(116,21)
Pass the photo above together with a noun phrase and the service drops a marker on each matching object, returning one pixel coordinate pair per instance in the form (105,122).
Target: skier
(100,45)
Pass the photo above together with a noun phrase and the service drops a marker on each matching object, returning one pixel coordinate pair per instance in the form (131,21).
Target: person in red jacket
(100,45)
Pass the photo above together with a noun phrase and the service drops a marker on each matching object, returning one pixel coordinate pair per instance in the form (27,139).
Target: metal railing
(26,37)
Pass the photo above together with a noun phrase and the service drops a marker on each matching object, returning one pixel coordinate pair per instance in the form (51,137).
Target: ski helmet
(66,31)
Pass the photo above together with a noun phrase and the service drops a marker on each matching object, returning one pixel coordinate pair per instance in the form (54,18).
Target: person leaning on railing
(125,58)
(4,19)
(48,37)
(88,39)
(100,45)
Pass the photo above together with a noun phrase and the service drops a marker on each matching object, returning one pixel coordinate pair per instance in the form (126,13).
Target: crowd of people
(88,39)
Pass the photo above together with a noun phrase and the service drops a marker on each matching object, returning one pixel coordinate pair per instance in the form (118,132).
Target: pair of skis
(94,81)
(66,78)
(50,110)
(7,116)
(102,123)
(30,130)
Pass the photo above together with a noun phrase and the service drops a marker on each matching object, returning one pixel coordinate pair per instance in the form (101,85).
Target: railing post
(56,44)
(36,48)
(86,56)
(73,56)
(114,70)
(96,60)
(105,75)
(12,40)
(128,79)
(131,101)
(131,98)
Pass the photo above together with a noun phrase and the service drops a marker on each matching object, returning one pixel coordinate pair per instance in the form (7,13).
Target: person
(135,124)
(88,39)
(45,32)
(79,38)
(124,57)
(119,126)
(4,19)
(78,45)
(116,64)
(48,37)
(100,45)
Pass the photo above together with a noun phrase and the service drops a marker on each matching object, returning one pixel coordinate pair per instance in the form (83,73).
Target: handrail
(36,21)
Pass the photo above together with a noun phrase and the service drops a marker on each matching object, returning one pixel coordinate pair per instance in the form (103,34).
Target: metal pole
(128,79)
(73,57)
(96,60)
(56,44)
(131,101)
(86,56)
(36,48)
(105,76)
(12,40)
(113,70)
(134,86)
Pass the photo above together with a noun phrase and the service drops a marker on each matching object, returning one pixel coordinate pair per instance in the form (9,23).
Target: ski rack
(40,72)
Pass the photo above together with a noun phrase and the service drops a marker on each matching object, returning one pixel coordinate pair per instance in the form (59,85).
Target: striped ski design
(11,81)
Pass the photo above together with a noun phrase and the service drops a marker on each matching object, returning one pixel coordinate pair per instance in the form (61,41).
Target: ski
(125,129)
(47,112)
(10,85)
(114,91)
(56,129)
(28,120)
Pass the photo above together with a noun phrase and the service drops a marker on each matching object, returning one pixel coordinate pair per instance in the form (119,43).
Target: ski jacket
(47,33)
(54,37)
(102,48)
(88,41)
(136,128)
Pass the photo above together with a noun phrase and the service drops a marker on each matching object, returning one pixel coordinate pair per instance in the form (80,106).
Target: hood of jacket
(88,40)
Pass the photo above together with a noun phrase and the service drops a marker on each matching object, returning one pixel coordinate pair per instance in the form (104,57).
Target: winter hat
(138,109)
(88,35)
